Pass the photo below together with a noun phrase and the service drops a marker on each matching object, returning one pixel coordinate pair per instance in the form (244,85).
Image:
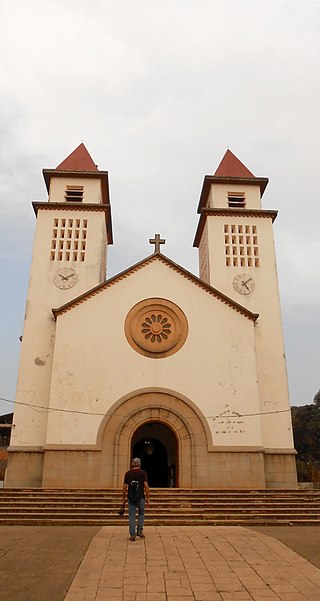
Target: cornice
(77,206)
(49,173)
(209,180)
(260,213)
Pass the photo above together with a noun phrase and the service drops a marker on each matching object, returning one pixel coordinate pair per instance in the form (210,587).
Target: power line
(31,406)
(213,417)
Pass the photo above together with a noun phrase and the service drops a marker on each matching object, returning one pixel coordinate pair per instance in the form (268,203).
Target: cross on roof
(157,241)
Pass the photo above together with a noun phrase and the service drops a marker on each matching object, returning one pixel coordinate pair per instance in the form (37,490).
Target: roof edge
(147,260)
(262,182)
(49,173)
(79,206)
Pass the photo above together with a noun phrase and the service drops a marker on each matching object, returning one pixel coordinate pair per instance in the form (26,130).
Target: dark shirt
(136,474)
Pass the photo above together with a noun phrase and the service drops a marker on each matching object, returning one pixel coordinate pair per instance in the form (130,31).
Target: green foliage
(316,399)
(306,432)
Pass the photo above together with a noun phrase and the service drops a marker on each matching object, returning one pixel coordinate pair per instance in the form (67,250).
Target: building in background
(186,372)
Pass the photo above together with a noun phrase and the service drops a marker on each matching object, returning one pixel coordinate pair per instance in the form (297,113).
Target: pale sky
(157,91)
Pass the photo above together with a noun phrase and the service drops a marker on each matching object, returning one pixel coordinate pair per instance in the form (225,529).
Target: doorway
(156,445)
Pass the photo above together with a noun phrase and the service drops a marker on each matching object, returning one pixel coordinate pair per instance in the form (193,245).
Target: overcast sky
(157,91)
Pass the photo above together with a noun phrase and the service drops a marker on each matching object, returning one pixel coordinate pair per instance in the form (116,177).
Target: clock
(243,283)
(65,278)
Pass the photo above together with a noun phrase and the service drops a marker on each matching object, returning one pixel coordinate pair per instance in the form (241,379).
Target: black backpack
(134,491)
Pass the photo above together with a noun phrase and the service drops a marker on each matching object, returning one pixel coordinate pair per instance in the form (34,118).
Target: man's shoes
(132,537)
(140,534)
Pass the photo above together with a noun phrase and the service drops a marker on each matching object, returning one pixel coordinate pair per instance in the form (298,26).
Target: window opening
(244,247)
(236,200)
(74,194)
(67,235)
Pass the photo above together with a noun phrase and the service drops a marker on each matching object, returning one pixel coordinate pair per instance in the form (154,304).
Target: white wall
(94,366)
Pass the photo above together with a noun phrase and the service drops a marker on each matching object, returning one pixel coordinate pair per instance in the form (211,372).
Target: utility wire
(214,417)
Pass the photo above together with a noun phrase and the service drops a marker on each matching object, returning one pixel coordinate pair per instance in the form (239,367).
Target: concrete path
(70,563)
(193,564)
(38,563)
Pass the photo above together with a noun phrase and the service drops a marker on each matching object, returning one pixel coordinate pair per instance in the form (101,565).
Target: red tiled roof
(78,160)
(230,166)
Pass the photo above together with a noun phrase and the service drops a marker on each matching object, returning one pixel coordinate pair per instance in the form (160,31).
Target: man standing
(136,489)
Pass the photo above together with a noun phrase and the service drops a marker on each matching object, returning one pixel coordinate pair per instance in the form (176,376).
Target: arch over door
(178,413)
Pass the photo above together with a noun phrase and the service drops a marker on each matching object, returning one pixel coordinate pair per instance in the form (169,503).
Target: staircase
(173,506)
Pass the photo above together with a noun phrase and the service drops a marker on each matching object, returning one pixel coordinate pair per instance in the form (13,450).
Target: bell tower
(73,232)
(227,234)
(78,222)
(237,256)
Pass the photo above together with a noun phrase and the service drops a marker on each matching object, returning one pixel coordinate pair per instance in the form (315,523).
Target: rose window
(156,328)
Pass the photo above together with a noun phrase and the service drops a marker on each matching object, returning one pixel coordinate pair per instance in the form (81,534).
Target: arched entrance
(156,445)
(123,427)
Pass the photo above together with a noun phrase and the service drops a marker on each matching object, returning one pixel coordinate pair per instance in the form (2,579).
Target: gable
(169,266)
(95,363)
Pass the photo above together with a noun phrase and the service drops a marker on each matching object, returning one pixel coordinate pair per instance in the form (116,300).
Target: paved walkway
(193,564)
(71,563)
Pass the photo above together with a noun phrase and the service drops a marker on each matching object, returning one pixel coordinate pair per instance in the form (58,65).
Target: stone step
(159,499)
(159,503)
(161,506)
(165,492)
(171,492)
(168,507)
(253,521)
(79,513)
(155,508)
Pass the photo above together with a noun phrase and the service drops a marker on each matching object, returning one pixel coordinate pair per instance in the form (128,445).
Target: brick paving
(192,564)
(46,563)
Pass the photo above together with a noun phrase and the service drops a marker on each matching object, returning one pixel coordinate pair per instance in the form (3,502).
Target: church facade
(188,373)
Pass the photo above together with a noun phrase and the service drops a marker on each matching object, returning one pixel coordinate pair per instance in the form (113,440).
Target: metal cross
(157,241)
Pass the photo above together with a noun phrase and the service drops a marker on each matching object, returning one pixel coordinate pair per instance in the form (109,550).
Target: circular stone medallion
(156,327)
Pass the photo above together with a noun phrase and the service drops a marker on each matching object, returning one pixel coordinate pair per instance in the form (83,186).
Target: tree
(316,399)
(306,432)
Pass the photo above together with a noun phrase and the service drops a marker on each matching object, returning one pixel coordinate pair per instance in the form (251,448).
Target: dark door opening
(154,461)
(156,446)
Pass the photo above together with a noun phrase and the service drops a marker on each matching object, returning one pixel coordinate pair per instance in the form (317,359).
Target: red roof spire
(230,166)
(78,160)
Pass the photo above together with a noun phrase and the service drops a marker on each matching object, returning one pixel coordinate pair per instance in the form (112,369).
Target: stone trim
(280,452)
(156,328)
(56,206)
(25,450)
(215,449)
(156,390)
(71,447)
(237,449)
(117,430)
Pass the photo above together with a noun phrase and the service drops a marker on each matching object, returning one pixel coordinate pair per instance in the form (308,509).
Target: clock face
(65,278)
(243,283)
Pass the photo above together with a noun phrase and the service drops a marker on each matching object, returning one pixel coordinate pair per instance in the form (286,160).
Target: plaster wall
(94,366)
(218,195)
(91,189)
(265,300)
(39,326)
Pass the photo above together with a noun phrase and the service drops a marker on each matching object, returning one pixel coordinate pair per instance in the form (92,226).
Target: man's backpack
(134,491)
